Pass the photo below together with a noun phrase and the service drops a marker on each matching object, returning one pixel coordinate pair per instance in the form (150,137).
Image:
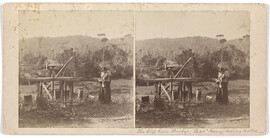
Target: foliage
(84,64)
(148,60)
(117,59)
(32,59)
(205,65)
(42,103)
(182,58)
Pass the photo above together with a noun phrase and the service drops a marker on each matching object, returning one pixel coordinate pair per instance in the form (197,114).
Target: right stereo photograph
(192,69)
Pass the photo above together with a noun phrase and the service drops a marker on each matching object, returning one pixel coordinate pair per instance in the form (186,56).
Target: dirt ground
(86,113)
(205,115)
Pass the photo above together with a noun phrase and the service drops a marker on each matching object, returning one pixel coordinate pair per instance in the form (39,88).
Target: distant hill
(242,43)
(48,45)
(156,46)
(199,44)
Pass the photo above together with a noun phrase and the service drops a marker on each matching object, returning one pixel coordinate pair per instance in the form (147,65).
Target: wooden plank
(65,90)
(182,68)
(159,89)
(179,89)
(164,90)
(60,79)
(183,94)
(184,91)
(53,91)
(61,90)
(64,66)
(177,79)
(46,90)
(189,91)
(156,90)
(37,85)
(171,91)
(70,90)
(180,71)
(40,87)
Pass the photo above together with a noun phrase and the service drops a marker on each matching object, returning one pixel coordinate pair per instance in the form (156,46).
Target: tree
(30,59)
(148,60)
(72,67)
(236,60)
(182,58)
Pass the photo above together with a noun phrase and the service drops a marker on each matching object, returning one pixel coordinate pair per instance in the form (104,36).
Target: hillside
(48,45)
(157,46)
(199,44)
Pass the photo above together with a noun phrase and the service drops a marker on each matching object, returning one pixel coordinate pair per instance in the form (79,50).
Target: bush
(206,65)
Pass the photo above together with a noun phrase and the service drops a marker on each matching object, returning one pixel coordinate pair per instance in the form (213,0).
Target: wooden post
(70,90)
(65,90)
(40,87)
(156,90)
(184,92)
(53,92)
(63,67)
(171,91)
(159,88)
(37,85)
(180,90)
(198,95)
(51,89)
(189,91)
(180,71)
(61,89)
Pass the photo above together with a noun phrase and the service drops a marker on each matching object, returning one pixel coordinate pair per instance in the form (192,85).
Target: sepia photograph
(192,69)
(75,69)
(134,69)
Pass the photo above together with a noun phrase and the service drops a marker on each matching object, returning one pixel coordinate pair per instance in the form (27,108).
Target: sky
(196,23)
(148,25)
(114,24)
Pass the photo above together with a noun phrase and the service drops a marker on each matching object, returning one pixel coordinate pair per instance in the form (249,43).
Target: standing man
(222,91)
(105,90)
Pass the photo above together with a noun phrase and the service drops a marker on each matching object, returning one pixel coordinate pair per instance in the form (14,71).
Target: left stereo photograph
(75,69)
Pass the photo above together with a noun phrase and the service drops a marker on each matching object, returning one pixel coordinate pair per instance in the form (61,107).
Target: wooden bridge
(64,90)
(184,88)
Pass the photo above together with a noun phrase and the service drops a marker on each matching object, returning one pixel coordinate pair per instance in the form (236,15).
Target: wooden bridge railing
(65,83)
(184,87)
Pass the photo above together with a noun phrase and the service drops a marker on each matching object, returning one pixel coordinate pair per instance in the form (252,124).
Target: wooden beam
(171,90)
(179,71)
(189,91)
(61,89)
(64,66)
(40,88)
(48,86)
(49,79)
(53,91)
(156,90)
(65,90)
(184,92)
(179,90)
(159,89)
(182,68)
(177,80)
(46,90)
(164,90)
(37,86)
(70,90)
